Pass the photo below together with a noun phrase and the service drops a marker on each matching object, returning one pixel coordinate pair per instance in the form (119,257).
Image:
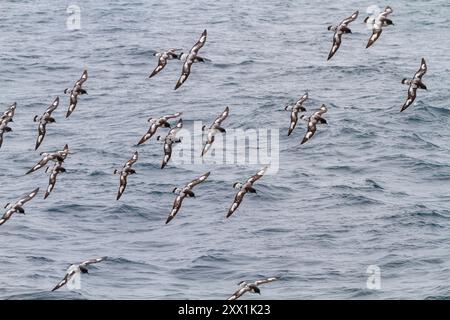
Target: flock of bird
(171,138)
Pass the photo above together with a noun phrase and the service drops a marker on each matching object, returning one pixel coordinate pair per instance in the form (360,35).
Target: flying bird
(414,84)
(245,287)
(58,156)
(190,59)
(75,91)
(377,24)
(157,123)
(312,122)
(339,31)
(295,109)
(44,120)
(124,173)
(163,57)
(169,140)
(184,192)
(214,129)
(77,268)
(6,117)
(243,189)
(18,206)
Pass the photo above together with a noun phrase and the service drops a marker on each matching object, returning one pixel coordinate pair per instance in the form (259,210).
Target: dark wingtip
(169,219)
(46,195)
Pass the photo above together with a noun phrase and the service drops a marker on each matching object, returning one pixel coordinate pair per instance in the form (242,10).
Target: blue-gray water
(370,188)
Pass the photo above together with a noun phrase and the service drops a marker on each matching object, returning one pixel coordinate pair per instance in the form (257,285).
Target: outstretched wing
(28,197)
(151,131)
(92,261)
(412,93)
(66,279)
(200,43)
(237,201)
(167,153)
(337,39)
(132,161)
(302,99)
(41,134)
(170,116)
(222,117)
(52,107)
(83,78)
(177,128)
(318,114)
(422,70)
(162,61)
(72,103)
(198,180)
(376,32)
(123,184)
(263,281)
(294,119)
(258,175)
(6,216)
(176,207)
(352,18)
(239,293)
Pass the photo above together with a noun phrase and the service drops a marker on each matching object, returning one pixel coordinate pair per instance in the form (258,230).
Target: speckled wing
(221,117)
(132,161)
(73,103)
(238,293)
(176,207)
(257,176)
(346,21)
(422,70)
(28,197)
(6,216)
(263,281)
(123,183)
(151,131)
(66,279)
(337,39)
(237,201)
(171,116)
(198,180)
(167,153)
(162,61)
(92,261)
(82,79)
(52,107)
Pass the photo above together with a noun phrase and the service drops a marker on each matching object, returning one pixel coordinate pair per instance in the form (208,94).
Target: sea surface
(371,188)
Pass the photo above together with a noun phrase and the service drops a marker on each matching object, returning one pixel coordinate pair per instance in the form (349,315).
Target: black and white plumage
(156,123)
(44,120)
(58,156)
(377,25)
(414,84)
(312,122)
(77,268)
(243,189)
(54,171)
(184,192)
(5,119)
(124,173)
(339,31)
(163,57)
(75,92)
(295,109)
(169,140)
(190,59)
(245,287)
(214,129)
(18,206)
(182,56)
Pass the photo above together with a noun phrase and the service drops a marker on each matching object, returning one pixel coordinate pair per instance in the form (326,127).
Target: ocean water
(369,189)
